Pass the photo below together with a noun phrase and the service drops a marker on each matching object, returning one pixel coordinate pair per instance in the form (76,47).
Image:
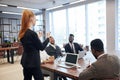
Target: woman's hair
(25,23)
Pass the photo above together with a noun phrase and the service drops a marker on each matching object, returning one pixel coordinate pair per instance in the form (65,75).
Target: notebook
(70,60)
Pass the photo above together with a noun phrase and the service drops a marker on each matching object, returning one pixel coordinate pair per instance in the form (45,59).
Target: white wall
(111,27)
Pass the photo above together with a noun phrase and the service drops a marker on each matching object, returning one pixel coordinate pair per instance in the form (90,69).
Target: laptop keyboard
(68,64)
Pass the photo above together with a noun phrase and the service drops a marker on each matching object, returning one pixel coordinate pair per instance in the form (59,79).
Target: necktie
(72,48)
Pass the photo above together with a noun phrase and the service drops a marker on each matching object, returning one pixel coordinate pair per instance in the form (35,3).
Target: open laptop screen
(71,58)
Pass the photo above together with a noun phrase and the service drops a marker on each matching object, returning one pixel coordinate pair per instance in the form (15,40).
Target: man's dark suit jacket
(32,44)
(69,50)
(53,52)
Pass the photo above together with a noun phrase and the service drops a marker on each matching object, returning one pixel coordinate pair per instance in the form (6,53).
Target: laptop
(81,54)
(70,61)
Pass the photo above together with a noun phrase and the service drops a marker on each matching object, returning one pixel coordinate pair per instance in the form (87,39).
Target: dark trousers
(35,72)
(59,77)
(10,54)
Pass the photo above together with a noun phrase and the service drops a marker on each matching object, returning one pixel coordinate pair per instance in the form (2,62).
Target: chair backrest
(20,50)
(20,47)
(15,44)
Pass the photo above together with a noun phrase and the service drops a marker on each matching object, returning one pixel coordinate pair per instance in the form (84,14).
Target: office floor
(11,71)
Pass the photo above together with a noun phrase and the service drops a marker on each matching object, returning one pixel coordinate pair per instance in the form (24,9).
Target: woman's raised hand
(40,34)
(48,35)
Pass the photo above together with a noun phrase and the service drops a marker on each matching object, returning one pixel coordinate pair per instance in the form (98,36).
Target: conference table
(72,73)
(10,53)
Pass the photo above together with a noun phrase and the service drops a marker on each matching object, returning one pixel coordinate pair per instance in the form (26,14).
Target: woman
(31,58)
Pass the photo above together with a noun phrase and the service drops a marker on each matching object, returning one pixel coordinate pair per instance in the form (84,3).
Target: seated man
(107,67)
(72,47)
(54,50)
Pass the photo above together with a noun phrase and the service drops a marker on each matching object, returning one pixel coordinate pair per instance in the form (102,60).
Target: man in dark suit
(53,49)
(107,67)
(72,47)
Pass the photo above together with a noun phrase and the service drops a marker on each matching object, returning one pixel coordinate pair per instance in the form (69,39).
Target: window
(118,28)
(58,28)
(96,21)
(39,24)
(76,22)
(86,22)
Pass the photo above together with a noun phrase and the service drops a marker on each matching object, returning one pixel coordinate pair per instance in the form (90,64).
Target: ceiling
(36,4)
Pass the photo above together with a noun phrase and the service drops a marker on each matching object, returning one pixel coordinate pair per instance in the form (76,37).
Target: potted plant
(8,44)
(14,39)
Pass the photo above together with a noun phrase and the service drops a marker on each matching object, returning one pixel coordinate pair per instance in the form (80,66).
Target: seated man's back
(106,67)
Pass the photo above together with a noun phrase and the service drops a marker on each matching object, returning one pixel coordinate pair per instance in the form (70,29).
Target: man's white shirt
(44,56)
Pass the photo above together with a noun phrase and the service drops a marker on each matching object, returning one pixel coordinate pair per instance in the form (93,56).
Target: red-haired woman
(31,58)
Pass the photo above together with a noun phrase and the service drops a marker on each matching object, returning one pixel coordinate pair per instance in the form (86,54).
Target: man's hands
(49,60)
